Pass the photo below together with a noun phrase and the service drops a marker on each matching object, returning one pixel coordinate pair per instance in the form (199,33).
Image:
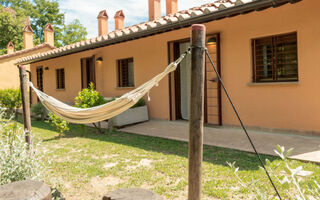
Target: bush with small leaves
(60,124)
(18,160)
(88,98)
(10,99)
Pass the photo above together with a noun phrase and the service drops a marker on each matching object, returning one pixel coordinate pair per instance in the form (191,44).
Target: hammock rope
(108,110)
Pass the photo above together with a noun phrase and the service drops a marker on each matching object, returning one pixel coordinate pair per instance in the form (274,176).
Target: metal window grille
(125,72)
(60,78)
(39,72)
(275,58)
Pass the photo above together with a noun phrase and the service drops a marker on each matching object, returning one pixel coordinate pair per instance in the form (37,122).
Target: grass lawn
(88,164)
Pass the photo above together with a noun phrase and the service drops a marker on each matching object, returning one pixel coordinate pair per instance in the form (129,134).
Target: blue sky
(135,11)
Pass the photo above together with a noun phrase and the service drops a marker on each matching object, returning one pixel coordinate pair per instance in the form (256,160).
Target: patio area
(306,148)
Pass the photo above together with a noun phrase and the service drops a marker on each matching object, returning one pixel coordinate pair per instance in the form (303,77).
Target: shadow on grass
(216,155)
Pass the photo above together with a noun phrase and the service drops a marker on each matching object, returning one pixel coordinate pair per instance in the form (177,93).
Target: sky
(135,11)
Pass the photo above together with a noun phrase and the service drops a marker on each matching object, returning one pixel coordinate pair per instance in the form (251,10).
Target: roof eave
(217,15)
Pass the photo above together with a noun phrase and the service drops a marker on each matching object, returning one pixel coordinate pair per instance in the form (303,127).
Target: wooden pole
(25,102)
(198,32)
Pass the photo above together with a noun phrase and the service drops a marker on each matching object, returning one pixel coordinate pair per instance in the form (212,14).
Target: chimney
(28,37)
(119,20)
(154,10)
(10,48)
(102,23)
(49,34)
(172,6)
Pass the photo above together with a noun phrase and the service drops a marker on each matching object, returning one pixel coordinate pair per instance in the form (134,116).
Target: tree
(41,12)
(73,32)
(11,28)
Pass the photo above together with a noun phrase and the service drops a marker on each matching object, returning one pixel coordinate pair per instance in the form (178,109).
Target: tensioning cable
(241,123)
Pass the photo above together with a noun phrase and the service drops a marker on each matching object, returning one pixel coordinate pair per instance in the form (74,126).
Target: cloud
(136,11)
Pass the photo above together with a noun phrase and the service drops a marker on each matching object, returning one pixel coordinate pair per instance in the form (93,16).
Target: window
(60,78)
(39,72)
(125,73)
(275,58)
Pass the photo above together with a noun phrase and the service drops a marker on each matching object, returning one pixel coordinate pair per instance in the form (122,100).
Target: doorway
(180,82)
(88,72)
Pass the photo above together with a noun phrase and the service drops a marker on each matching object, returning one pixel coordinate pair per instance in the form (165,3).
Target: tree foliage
(10,98)
(89,97)
(40,12)
(73,32)
(60,124)
(11,28)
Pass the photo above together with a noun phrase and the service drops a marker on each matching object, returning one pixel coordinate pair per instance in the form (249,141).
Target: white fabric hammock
(105,111)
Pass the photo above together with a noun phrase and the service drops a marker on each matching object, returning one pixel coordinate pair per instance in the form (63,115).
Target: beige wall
(281,106)
(9,73)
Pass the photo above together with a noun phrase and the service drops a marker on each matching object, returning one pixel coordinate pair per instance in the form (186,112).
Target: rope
(241,123)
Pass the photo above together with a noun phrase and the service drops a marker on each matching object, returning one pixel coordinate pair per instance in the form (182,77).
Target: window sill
(124,88)
(60,89)
(274,83)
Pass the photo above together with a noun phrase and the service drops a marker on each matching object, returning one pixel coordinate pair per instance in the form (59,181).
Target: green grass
(88,165)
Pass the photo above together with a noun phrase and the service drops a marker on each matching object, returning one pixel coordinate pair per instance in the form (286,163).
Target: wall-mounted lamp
(46,68)
(212,40)
(99,60)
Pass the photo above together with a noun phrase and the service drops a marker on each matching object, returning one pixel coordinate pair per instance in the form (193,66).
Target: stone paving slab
(306,148)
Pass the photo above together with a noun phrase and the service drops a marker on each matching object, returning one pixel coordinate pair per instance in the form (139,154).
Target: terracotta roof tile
(105,37)
(146,26)
(142,27)
(17,53)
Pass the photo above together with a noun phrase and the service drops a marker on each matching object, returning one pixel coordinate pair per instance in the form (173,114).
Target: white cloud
(136,11)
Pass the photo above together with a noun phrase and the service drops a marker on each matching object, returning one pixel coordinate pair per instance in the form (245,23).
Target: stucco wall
(281,106)
(9,73)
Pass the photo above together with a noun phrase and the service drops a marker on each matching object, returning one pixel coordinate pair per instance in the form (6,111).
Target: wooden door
(213,113)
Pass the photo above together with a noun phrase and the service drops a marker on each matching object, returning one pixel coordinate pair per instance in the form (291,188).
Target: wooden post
(198,32)
(25,102)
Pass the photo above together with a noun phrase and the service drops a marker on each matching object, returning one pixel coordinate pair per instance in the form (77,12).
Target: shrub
(289,180)
(18,161)
(10,98)
(88,98)
(39,110)
(60,124)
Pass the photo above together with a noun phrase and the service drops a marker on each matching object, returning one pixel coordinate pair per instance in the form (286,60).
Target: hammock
(105,111)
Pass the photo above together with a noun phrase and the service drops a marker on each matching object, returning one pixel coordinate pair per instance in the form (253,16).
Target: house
(266,51)
(9,73)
